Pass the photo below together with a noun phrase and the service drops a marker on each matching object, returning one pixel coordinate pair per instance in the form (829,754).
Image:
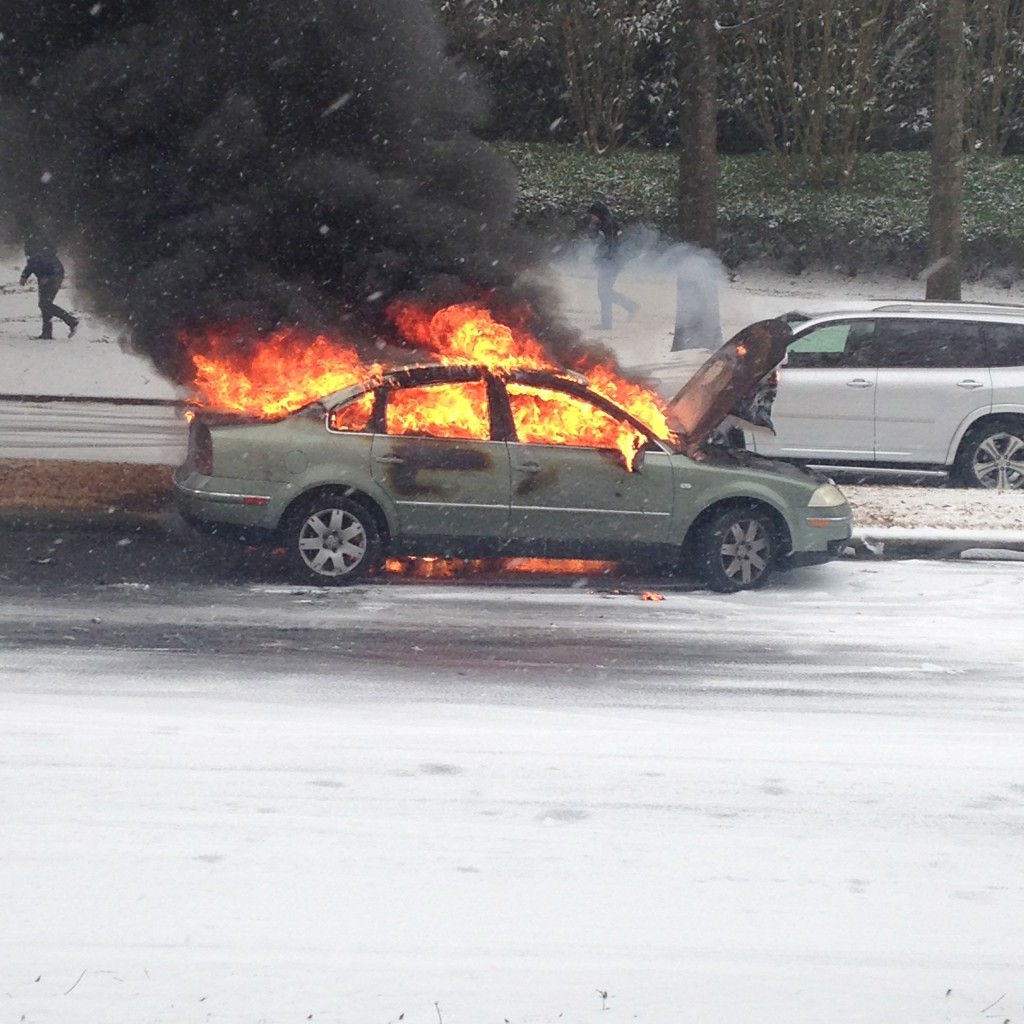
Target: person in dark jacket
(49,272)
(606,231)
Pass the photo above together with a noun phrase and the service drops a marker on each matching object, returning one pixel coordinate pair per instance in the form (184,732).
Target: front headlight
(827,496)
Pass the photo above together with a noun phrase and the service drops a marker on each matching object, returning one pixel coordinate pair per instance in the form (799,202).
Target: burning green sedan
(462,461)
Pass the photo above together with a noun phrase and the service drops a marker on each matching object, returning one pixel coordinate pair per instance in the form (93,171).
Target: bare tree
(995,83)
(814,74)
(947,156)
(598,46)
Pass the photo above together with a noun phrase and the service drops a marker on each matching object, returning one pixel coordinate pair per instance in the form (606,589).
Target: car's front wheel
(992,455)
(736,549)
(331,539)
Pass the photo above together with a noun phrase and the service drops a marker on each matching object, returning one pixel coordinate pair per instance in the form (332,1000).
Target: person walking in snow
(606,231)
(49,273)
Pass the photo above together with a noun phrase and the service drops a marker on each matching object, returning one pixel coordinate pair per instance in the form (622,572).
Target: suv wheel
(331,540)
(736,549)
(992,455)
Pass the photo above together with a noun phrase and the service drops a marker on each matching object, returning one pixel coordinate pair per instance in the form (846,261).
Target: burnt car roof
(454,373)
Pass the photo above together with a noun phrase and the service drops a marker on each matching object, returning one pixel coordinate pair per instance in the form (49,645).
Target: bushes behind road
(880,220)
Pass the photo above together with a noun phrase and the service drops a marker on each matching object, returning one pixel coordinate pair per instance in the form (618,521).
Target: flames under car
(465,461)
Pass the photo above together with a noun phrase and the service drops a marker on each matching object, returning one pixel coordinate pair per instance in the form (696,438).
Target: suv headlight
(827,496)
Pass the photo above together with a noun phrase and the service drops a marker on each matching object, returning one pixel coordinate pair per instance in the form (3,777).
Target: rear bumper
(203,499)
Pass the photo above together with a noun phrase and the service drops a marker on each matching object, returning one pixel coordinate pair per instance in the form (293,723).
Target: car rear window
(354,415)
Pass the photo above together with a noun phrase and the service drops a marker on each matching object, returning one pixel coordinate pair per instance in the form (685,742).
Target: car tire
(736,549)
(991,455)
(330,540)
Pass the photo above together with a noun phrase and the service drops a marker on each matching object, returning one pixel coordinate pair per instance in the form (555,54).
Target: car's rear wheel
(992,455)
(331,539)
(736,549)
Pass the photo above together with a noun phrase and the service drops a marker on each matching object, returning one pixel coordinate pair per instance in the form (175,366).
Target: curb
(930,542)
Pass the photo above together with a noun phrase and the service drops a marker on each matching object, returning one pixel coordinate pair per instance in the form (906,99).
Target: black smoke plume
(260,161)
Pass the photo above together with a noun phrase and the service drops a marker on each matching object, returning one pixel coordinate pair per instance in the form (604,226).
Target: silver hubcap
(745,551)
(332,542)
(999,462)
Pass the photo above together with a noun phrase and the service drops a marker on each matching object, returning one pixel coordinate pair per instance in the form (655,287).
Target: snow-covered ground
(811,810)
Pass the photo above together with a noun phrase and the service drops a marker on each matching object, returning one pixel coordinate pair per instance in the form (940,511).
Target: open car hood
(735,380)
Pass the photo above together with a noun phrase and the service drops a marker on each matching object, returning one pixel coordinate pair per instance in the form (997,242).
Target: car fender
(740,491)
(320,477)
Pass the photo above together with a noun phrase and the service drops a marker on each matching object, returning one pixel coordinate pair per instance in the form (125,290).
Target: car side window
(1004,344)
(353,416)
(926,344)
(838,344)
(547,416)
(447,409)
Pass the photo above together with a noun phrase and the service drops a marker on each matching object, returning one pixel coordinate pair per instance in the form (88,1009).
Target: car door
(1004,345)
(825,404)
(572,485)
(437,462)
(932,377)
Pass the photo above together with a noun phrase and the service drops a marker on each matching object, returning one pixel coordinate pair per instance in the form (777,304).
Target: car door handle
(858,382)
(527,467)
(390,460)
(970,385)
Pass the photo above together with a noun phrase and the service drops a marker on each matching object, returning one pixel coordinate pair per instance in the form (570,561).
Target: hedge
(879,219)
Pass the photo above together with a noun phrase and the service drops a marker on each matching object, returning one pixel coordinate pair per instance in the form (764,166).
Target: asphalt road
(151,585)
(231,797)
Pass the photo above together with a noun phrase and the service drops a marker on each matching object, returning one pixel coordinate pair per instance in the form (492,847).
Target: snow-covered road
(465,804)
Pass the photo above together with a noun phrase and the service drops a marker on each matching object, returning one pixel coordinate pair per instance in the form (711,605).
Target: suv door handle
(527,467)
(390,460)
(969,385)
(858,382)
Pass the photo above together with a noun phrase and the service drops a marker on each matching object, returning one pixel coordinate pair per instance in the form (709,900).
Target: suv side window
(838,344)
(1004,344)
(926,344)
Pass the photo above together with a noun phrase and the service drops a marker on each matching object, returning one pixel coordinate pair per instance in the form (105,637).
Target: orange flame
(285,370)
(289,368)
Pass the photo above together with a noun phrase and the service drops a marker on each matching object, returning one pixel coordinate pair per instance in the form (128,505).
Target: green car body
(342,499)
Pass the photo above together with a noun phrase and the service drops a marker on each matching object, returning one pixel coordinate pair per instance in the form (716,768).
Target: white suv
(912,387)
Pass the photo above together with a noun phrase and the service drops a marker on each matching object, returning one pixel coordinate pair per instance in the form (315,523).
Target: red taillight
(200,444)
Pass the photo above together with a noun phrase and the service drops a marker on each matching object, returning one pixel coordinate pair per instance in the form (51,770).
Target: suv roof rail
(934,306)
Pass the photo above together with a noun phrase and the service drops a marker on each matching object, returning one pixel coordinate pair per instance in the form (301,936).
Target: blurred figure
(605,229)
(49,272)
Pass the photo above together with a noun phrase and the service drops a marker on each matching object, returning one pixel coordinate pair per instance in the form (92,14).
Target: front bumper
(833,549)
(822,535)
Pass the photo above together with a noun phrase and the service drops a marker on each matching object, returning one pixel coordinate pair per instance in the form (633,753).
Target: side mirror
(638,461)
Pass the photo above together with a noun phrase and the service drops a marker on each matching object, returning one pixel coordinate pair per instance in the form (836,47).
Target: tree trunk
(697,190)
(697,313)
(947,157)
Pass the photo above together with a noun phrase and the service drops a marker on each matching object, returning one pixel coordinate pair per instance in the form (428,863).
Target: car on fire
(500,468)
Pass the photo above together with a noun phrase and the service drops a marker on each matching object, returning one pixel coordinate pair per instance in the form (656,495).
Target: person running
(605,229)
(45,264)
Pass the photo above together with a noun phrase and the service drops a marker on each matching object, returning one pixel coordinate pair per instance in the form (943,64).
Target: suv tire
(991,455)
